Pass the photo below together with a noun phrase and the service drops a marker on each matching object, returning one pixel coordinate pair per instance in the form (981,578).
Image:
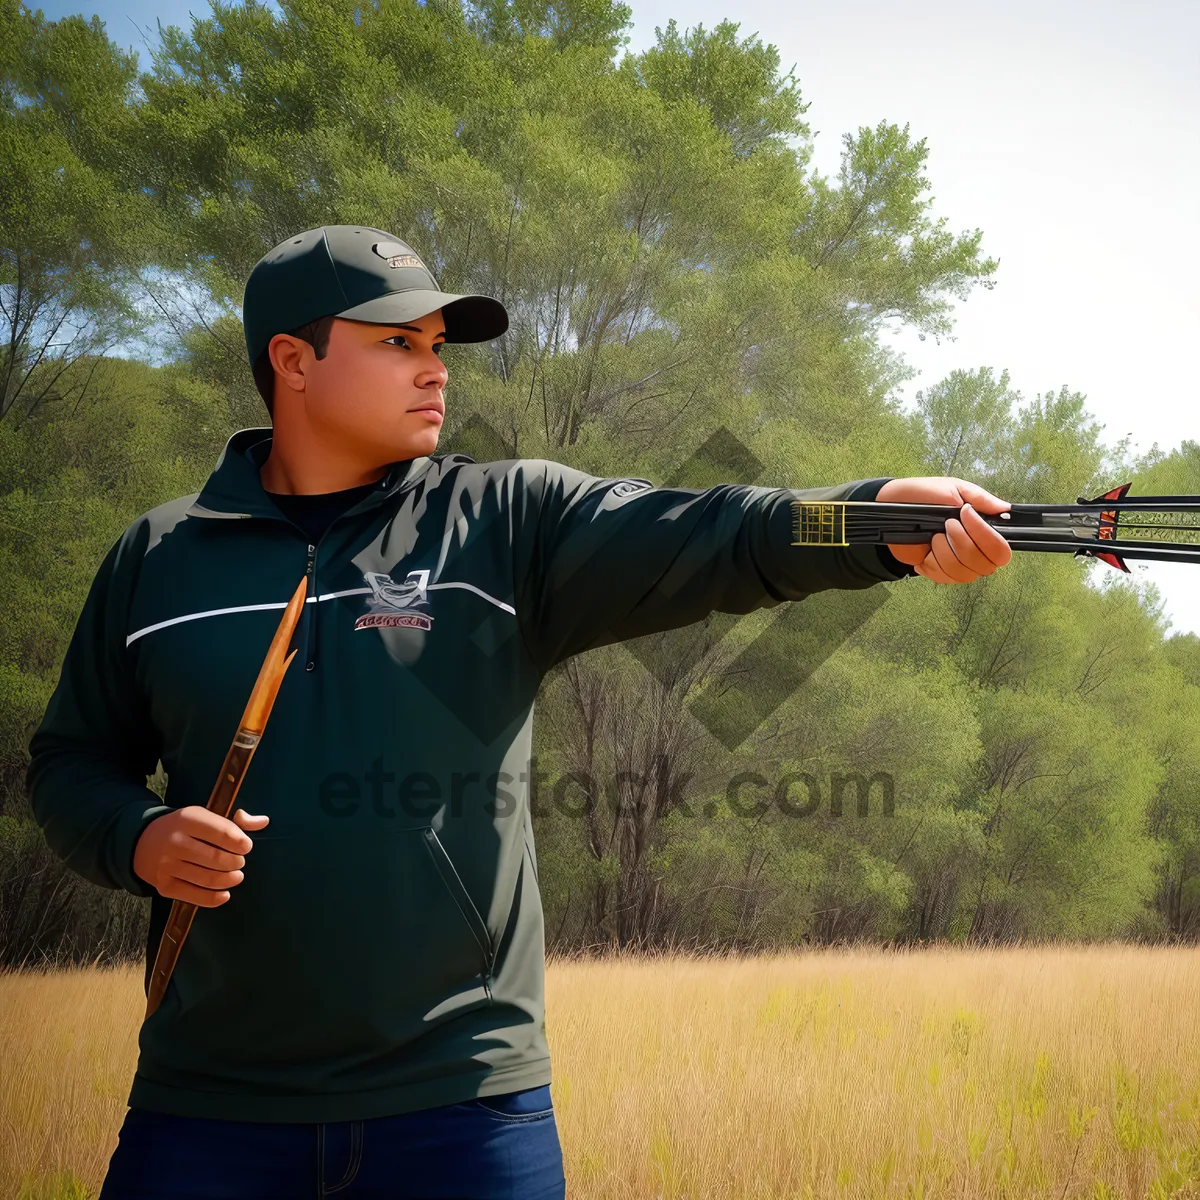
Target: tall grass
(1063,1072)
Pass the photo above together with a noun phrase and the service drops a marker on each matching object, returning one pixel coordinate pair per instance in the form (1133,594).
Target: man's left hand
(970,548)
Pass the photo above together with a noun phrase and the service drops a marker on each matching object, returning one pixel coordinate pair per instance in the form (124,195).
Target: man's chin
(415,445)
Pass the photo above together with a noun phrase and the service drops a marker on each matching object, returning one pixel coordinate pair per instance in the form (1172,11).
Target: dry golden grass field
(1027,1072)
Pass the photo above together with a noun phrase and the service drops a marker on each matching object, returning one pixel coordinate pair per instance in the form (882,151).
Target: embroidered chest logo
(394,604)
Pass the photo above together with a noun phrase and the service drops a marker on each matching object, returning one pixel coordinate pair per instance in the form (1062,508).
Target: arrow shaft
(179,922)
(229,780)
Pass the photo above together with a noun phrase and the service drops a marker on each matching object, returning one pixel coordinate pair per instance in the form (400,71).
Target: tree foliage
(690,303)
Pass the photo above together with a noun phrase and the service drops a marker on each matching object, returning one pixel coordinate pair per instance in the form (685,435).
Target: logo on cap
(396,254)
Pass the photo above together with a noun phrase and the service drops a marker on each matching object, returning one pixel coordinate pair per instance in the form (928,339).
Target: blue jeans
(491,1148)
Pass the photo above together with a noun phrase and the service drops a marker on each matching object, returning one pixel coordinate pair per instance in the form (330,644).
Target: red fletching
(1117,493)
(1107,529)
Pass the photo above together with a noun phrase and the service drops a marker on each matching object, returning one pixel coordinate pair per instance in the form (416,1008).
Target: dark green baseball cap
(359,274)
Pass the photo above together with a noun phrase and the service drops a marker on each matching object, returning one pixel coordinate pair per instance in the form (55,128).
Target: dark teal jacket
(384,952)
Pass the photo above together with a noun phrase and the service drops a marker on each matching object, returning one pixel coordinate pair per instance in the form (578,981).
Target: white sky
(1067,130)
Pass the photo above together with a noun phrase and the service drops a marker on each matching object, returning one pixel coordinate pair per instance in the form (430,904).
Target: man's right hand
(192,854)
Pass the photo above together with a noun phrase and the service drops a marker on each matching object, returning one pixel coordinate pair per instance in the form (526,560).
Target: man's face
(371,395)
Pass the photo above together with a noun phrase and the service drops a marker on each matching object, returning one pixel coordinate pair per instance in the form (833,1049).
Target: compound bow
(1087,528)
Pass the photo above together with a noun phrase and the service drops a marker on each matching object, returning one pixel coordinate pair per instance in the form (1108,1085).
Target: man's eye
(399,337)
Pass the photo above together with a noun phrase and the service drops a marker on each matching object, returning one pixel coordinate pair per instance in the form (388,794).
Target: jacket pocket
(530,855)
(456,888)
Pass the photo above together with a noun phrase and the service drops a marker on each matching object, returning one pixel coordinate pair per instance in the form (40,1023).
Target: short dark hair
(316,333)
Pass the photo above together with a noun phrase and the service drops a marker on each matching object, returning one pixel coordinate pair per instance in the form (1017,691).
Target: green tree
(72,234)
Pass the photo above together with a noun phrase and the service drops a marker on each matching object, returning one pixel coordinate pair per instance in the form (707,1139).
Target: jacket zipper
(310,571)
(310,574)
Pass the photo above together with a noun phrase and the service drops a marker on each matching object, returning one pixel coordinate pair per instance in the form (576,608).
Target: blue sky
(132,24)
(1065,131)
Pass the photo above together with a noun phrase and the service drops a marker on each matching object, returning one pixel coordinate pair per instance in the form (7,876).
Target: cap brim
(468,318)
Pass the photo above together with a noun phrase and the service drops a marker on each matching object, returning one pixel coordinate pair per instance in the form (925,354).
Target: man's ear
(287,357)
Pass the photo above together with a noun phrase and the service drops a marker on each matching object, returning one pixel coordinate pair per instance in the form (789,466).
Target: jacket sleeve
(606,560)
(96,745)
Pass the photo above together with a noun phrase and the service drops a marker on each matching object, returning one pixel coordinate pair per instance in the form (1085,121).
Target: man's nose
(435,369)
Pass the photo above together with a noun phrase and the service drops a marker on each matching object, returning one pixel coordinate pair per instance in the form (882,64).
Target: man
(366,1015)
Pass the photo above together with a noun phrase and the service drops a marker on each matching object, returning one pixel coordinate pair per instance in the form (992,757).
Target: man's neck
(299,471)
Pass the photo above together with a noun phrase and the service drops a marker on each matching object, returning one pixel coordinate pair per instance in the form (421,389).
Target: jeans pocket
(532,1104)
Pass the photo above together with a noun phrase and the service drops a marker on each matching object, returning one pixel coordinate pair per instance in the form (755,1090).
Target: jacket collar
(235,489)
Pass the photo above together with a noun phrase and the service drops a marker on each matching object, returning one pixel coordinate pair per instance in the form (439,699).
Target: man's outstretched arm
(602,560)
